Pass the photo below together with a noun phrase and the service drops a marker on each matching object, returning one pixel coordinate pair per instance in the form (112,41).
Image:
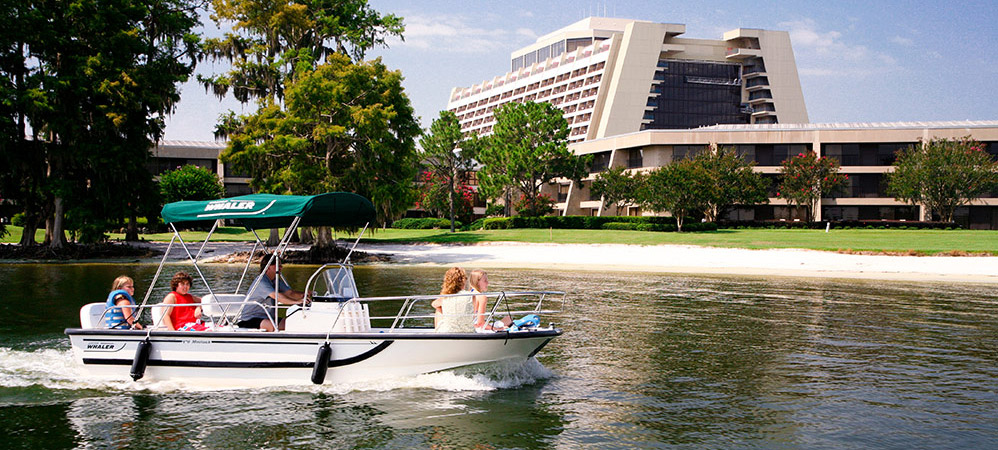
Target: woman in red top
(176,317)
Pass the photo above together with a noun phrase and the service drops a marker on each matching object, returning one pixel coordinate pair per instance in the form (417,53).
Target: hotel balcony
(743,53)
(753,71)
(760,97)
(756,84)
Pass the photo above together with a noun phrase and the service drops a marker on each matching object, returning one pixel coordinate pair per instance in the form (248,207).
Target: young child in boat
(121,305)
(454,314)
(479,281)
(182,317)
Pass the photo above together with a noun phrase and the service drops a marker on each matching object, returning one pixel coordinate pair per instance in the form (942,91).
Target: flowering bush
(433,197)
(539,205)
(807,178)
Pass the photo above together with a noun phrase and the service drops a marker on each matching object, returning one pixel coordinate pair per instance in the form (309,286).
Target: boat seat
(91,315)
(211,307)
(157,317)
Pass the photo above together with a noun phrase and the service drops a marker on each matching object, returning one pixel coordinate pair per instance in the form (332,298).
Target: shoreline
(662,259)
(687,259)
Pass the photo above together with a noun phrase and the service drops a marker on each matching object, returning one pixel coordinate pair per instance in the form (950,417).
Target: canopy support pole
(138,311)
(347,259)
(193,260)
(249,260)
(206,238)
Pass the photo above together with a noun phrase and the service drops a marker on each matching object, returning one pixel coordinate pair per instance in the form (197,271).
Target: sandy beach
(661,259)
(693,259)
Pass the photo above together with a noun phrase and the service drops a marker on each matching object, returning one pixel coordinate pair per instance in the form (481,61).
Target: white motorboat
(332,338)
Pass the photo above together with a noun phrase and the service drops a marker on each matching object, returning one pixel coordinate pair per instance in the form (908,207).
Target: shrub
(498,223)
(620,226)
(17,220)
(190,183)
(423,224)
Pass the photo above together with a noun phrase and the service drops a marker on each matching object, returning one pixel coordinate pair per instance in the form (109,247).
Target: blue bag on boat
(530,320)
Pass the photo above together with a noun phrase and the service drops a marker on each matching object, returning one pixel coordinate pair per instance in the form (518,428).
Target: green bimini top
(259,211)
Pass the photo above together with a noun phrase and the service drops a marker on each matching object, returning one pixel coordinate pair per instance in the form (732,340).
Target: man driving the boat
(264,294)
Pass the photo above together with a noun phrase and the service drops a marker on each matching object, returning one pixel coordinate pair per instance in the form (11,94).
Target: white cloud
(454,34)
(829,53)
(907,42)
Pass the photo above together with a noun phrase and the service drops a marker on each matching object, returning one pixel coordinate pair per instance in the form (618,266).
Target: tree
(276,40)
(346,127)
(190,183)
(93,80)
(527,148)
(807,178)
(681,188)
(444,157)
(435,198)
(734,181)
(275,44)
(943,174)
(617,187)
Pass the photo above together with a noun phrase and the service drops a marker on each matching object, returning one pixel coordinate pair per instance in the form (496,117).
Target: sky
(858,61)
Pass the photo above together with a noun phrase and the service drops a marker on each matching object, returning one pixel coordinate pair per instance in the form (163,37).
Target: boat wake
(56,369)
(50,368)
(489,377)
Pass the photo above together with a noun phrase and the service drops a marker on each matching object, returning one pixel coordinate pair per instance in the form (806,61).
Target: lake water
(646,361)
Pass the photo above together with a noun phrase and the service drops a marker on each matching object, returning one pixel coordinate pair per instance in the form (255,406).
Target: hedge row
(649,223)
(424,224)
(842,224)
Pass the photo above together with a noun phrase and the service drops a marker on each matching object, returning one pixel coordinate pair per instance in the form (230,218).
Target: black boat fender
(321,363)
(141,359)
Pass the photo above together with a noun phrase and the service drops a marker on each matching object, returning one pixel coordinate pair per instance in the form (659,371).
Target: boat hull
(250,359)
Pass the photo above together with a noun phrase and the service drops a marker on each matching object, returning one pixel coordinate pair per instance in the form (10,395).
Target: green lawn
(918,241)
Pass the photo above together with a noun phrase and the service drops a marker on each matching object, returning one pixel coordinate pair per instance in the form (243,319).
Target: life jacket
(114,317)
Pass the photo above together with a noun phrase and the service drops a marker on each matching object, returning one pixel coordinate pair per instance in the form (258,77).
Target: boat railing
(508,303)
(413,308)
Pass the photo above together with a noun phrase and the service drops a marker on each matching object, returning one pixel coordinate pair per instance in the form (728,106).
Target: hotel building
(637,95)
(865,152)
(616,76)
(171,155)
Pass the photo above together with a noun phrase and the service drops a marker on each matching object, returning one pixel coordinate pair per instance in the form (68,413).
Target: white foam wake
(50,368)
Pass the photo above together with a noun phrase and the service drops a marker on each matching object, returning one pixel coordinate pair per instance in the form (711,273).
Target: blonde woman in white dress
(454,314)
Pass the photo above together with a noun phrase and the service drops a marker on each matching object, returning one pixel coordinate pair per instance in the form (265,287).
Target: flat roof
(844,126)
(194,144)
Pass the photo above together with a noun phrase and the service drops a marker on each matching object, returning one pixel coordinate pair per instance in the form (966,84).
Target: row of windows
(158,166)
(551,51)
(861,185)
(467,125)
(495,100)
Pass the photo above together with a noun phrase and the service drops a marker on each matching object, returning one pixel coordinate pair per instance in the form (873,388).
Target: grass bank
(920,242)
(925,242)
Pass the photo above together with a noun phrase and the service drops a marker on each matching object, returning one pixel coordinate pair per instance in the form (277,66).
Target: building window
(601,162)
(574,44)
(635,158)
(563,193)
(681,152)
(865,154)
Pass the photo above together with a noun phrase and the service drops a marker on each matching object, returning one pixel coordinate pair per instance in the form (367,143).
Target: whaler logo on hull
(230,205)
(104,346)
